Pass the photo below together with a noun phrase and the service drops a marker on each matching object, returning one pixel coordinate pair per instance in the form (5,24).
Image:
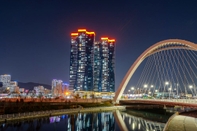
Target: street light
(151,86)
(169,89)
(128,93)
(166,83)
(190,86)
(145,86)
(132,88)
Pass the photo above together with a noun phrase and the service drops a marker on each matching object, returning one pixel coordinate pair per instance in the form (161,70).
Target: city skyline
(35,36)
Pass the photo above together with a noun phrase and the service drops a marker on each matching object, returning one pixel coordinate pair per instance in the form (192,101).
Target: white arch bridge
(170,68)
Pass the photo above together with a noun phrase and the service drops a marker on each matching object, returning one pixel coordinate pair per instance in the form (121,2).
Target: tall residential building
(57,87)
(5,79)
(11,86)
(81,60)
(104,76)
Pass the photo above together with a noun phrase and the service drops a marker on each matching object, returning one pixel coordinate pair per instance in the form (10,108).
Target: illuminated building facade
(11,86)
(81,60)
(57,87)
(104,76)
(5,79)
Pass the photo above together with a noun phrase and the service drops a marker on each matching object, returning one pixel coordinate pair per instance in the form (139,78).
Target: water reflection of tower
(72,122)
(39,124)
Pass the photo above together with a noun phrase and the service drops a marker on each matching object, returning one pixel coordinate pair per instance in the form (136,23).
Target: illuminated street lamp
(166,83)
(128,93)
(132,88)
(190,86)
(151,86)
(145,86)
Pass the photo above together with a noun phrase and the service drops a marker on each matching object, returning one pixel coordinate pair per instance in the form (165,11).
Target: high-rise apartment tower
(81,60)
(104,76)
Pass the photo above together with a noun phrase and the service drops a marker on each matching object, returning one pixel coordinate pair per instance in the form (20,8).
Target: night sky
(35,35)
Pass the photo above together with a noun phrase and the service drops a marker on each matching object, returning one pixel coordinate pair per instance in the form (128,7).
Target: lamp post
(132,88)
(166,84)
(152,89)
(177,90)
(169,89)
(145,86)
(191,87)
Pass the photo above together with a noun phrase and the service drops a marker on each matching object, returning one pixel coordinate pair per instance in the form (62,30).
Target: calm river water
(98,121)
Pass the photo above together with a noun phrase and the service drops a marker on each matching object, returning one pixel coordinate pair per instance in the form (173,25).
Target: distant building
(81,60)
(57,87)
(5,79)
(14,87)
(39,90)
(8,85)
(65,87)
(21,90)
(104,73)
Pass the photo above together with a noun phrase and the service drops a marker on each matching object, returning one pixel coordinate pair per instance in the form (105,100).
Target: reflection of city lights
(130,121)
(133,126)
(139,126)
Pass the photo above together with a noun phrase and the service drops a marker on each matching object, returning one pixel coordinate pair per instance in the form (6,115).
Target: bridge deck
(192,103)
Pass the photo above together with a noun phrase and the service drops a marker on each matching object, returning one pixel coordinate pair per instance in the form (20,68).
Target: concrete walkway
(182,123)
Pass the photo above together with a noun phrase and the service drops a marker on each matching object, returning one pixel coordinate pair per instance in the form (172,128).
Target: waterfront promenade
(31,115)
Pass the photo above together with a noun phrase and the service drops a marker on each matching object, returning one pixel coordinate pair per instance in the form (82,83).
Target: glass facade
(81,60)
(104,76)
(91,63)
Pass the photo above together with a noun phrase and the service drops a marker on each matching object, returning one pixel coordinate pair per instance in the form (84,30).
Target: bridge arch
(160,46)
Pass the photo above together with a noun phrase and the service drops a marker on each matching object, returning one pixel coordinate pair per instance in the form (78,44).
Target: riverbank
(31,115)
(11,107)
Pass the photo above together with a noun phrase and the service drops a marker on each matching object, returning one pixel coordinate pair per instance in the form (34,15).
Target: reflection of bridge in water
(73,122)
(104,121)
(129,122)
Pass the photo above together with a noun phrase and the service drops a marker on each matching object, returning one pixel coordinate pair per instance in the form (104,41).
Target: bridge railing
(193,101)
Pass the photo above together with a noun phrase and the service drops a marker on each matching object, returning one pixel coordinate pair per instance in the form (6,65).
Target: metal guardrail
(192,101)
